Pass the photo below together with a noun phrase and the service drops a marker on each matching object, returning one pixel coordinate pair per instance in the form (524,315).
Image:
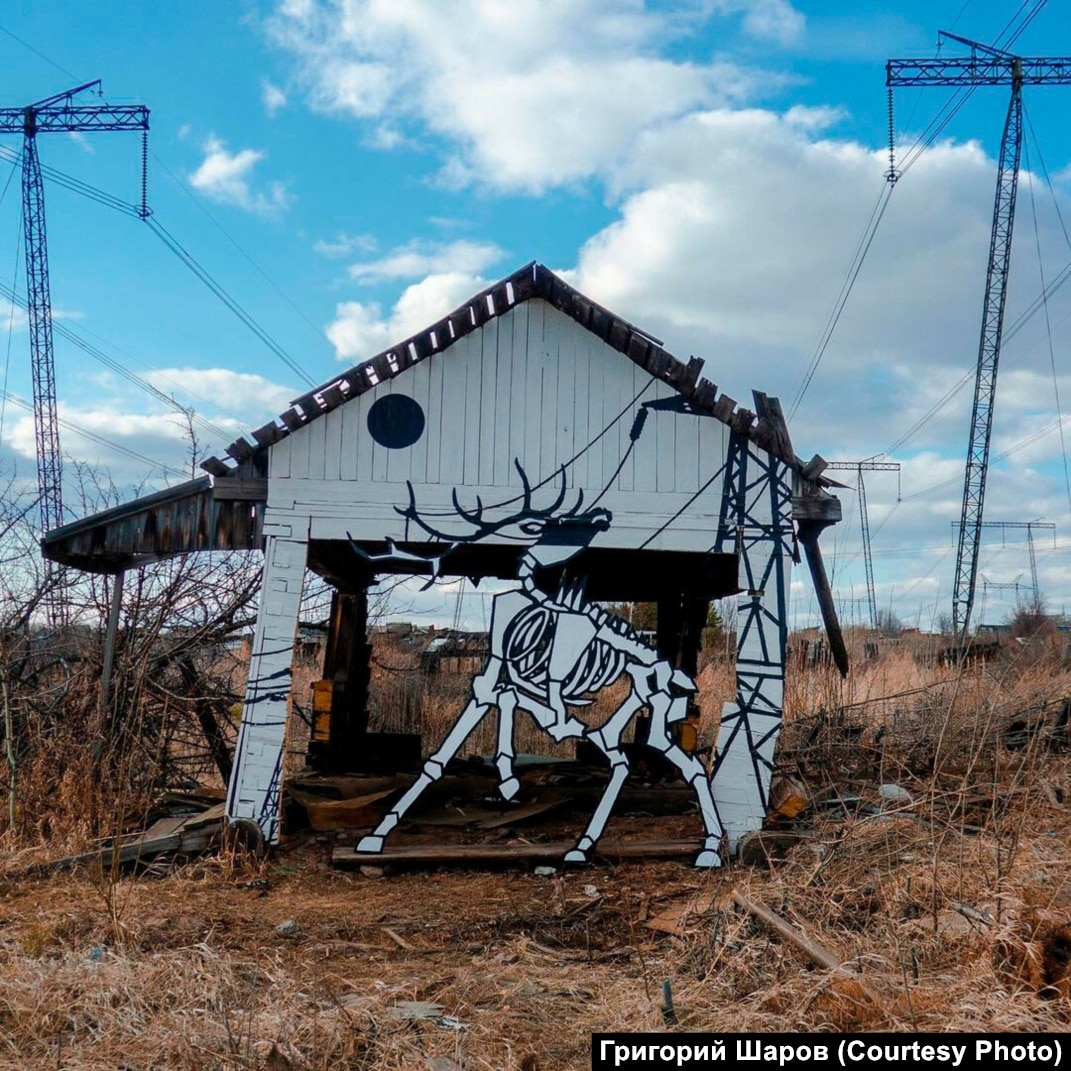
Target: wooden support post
(670,626)
(809,531)
(109,648)
(695,612)
(346,667)
(253,792)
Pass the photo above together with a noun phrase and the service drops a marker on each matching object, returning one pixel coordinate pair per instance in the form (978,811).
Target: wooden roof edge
(533,280)
(126,509)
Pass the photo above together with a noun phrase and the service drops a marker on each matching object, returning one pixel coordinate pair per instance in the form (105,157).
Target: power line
(184,187)
(847,285)
(203,274)
(108,200)
(38,53)
(100,440)
(1048,325)
(10,329)
(117,367)
(933,130)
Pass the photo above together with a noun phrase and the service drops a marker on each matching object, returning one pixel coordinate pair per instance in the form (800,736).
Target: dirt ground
(946,897)
(288,964)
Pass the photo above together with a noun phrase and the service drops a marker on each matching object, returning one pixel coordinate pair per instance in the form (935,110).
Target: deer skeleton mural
(541,374)
(552,652)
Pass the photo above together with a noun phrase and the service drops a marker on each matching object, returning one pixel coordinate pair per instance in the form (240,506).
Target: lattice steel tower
(985,66)
(58,113)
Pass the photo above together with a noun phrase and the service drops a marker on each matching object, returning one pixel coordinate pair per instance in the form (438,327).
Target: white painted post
(253,793)
(751,724)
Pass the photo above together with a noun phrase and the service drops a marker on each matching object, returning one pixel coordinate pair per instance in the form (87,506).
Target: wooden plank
(565,390)
(554,326)
(598,363)
(185,840)
(523,812)
(349,443)
(279,459)
(380,454)
(332,423)
(299,454)
(686,452)
(629,375)
(578,375)
(518,405)
(645,470)
(450,460)
(532,400)
(502,465)
(468,366)
(345,857)
(666,462)
(819,956)
(488,384)
(436,364)
(325,815)
(723,407)
(230,488)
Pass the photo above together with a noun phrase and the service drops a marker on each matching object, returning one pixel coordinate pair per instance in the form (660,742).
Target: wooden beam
(346,857)
(809,531)
(109,647)
(226,489)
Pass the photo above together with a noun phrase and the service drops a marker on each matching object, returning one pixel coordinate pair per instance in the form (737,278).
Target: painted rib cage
(527,648)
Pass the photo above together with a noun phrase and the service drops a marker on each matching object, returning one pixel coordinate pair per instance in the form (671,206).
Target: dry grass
(953,908)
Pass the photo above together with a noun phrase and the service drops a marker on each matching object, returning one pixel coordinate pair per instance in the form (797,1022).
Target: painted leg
(663,713)
(253,792)
(617,723)
(609,744)
(507,705)
(472,715)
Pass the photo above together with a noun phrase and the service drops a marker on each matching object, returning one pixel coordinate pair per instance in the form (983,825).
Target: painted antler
(394,555)
(528,519)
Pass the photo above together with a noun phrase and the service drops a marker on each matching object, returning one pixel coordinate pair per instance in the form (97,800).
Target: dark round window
(395,421)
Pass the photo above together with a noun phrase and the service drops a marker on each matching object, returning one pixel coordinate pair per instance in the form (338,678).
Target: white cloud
(769,20)
(273,98)
(361,330)
(526,101)
(252,396)
(343,244)
(153,438)
(226,177)
(417,258)
(150,443)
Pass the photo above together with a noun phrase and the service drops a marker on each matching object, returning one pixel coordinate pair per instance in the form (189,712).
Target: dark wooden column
(694,615)
(681,620)
(338,731)
(669,627)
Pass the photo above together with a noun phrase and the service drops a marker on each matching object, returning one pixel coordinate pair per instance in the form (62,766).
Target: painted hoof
(707,859)
(576,856)
(371,845)
(509,788)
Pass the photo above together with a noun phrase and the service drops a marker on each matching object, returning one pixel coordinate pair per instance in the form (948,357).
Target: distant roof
(770,432)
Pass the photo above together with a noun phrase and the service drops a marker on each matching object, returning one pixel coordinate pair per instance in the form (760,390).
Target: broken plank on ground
(195,833)
(346,857)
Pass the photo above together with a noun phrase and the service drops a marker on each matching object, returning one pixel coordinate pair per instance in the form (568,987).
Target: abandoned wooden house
(533,436)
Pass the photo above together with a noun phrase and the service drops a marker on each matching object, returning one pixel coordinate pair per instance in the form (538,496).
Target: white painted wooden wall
(531,384)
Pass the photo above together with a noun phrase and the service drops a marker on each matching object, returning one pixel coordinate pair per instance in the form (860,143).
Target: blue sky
(349,171)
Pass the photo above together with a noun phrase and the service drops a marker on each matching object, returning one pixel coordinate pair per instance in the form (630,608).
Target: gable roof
(765,427)
(226,512)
